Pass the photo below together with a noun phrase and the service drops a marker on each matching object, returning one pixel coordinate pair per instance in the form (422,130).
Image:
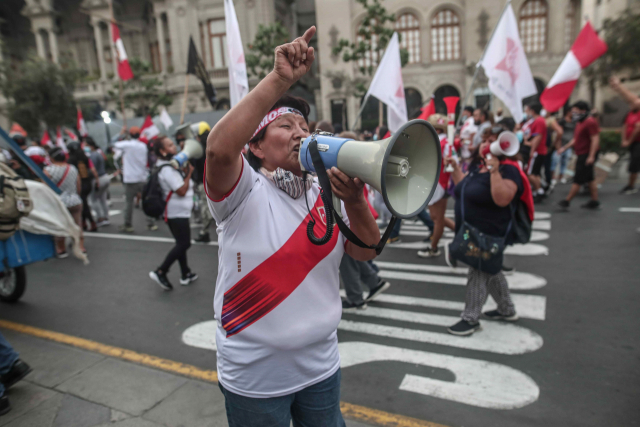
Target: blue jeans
(562,158)
(423,216)
(315,406)
(8,356)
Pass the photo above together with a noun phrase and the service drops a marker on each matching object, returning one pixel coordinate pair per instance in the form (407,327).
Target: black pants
(85,190)
(181,231)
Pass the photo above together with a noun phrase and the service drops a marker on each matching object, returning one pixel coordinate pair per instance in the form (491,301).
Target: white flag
(238,82)
(165,118)
(506,66)
(387,85)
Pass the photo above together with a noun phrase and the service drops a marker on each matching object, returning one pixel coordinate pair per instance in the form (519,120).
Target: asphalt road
(572,360)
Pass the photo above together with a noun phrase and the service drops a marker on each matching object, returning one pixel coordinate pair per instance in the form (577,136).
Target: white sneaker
(429,253)
(103,223)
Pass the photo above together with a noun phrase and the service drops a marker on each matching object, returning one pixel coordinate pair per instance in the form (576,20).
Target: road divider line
(493,338)
(630,210)
(527,306)
(141,238)
(517,280)
(354,412)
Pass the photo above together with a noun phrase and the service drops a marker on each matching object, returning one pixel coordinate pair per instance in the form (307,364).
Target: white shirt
(134,160)
(171,179)
(293,343)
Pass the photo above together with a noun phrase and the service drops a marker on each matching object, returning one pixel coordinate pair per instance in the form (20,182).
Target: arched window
(445,36)
(570,24)
(408,26)
(414,101)
(442,92)
(533,25)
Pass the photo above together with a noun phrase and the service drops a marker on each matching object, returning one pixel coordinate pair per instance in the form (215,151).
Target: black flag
(196,67)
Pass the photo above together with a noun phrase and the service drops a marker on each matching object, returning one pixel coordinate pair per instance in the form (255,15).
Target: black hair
(536,107)
(508,123)
(484,112)
(581,105)
(57,154)
(284,101)
(21,140)
(469,108)
(76,154)
(90,142)
(159,145)
(382,132)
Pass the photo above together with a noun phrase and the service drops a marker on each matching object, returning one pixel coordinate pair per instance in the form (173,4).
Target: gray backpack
(14,201)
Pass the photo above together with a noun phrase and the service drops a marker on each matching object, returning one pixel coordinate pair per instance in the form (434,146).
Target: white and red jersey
(277,301)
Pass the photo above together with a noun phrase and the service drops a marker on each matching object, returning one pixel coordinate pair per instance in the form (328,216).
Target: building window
(370,57)
(570,25)
(445,36)
(217,43)
(533,26)
(409,28)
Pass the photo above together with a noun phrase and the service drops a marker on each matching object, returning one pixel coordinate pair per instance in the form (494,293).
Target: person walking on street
(134,175)
(486,195)
(536,139)
(12,370)
(354,275)
(177,189)
(66,177)
(585,142)
(563,137)
(630,133)
(88,176)
(482,119)
(100,190)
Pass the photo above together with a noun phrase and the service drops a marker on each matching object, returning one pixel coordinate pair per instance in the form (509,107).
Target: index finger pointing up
(309,33)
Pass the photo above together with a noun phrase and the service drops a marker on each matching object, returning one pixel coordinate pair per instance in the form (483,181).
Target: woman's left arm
(361,220)
(502,190)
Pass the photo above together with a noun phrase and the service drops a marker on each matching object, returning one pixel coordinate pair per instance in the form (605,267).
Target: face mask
(477,122)
(520,136)
(525,116)
(578,117)
(87,150)
(286,181)
(375,137)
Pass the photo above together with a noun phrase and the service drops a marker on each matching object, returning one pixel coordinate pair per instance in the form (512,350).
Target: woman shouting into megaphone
(277,301)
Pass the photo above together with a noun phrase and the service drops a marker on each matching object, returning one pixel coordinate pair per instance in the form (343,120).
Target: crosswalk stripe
(140,238)
(630,210)
(528,306)
(494,337)
(528,249)
(423,231)
(544,225)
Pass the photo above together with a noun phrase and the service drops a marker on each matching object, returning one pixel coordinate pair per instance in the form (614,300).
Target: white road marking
(544,225)
(477,383)
(140,238)
(527,306)
(528,249)
(517,280)
(541,215)
(495,337)
(201,335)
(631,210)
(423,231)
(114,212)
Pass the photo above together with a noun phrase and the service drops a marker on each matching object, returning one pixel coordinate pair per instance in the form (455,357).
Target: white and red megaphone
(507,144)
(451,102)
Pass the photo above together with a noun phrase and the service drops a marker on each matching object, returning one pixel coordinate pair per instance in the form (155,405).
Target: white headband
(274,114)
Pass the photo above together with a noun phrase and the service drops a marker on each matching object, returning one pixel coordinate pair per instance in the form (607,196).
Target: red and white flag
(124,70)
(46,139)
(60,141)
(81,125)
(428,110)
(71,135)
(587,48)
(506,66)
(149,130)
(388,87)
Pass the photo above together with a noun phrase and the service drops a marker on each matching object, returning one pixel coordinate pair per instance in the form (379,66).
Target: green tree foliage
(375,32)
(143,93)
(623,54)
(260,57)
(39,92)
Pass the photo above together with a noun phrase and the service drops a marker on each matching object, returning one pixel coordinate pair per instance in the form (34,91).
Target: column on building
(53,46)
(40,44)
(162,48)
(97,35)
(114,56)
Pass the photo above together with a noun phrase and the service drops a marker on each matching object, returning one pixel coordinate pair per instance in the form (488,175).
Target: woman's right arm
(233,131)
(457,175)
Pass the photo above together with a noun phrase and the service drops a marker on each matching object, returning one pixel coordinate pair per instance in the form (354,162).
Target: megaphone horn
(192,150)
(507,144)
(404,168)
(186,131)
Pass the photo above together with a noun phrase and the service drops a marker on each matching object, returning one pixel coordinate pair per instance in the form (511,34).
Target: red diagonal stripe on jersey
(270,283)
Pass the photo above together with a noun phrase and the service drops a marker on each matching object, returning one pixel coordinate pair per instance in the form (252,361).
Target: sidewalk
(70,387)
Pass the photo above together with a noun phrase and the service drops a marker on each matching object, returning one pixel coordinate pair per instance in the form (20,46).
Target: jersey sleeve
(222,208)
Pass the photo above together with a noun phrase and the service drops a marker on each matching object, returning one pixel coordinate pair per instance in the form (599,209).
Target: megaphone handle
(337,205)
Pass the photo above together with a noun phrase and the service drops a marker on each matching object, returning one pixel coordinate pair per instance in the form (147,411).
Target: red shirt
(539,127)
(583,133)
(630,123)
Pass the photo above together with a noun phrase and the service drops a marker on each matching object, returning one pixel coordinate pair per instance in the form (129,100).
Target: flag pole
(484,51)
(121,89)
(184,101)
(364,102)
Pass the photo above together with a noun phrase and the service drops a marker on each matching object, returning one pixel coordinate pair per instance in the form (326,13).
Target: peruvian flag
(149,130)
(46,139)
(59,141)
(427,110)
(587,48)
(81,125)
(124,70)
(71,135)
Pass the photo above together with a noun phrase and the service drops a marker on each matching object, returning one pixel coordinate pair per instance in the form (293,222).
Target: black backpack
(522,225)
(153,201)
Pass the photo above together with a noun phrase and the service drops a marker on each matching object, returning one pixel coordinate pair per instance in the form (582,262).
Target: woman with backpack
(486,197)
(177,189)
(66,177)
